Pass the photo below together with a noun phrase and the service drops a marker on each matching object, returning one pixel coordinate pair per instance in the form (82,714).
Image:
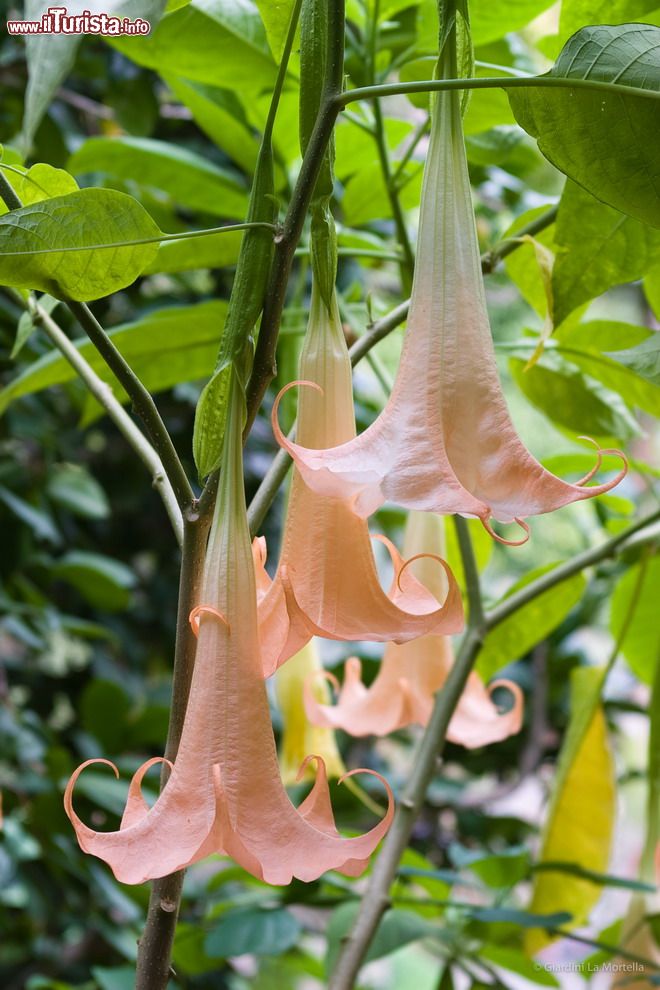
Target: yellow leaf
(582,811)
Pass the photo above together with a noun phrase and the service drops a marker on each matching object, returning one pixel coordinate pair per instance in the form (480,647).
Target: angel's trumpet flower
(224,792)
(326,582)
(410,675)
(299,735)
(445,441)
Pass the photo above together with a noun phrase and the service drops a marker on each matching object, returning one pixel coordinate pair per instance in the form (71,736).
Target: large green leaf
(580,820)
(579,13)
(104,582)
(585,345)
(598,247)
(573,399)
(166,347)
(643,360)
(641,645)
(213,251)
(50,56)
(531,624)
(252,930)
(607,141)
(219,43)
(72,233)
(220,115)
(186,177)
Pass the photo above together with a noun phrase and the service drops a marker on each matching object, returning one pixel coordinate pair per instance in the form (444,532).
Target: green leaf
(489,19)
(220,115)
(513,960)
(69,230)
(104,706)
(524,919)
(579,13)
(580,820)
(214,251)
(276,15)
(223,44)
(366,199)
(37,521)
(115,978)
(165,348)
(51,56)
(572,399)
(531,624)
(259,932)
(502,869)
(39,182)
(597,247)
(104,582)
(187,178)
(643,360)
(521,265)
(608,142)
(585,345)
(641,646)
(26,325)
(396,928)
(72,487)
(601,879)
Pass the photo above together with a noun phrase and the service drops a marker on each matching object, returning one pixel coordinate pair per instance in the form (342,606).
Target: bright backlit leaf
(65,246)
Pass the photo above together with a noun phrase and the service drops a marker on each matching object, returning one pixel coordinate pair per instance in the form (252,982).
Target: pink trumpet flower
(326,582)
(445,441)
(411,674)
(224,793)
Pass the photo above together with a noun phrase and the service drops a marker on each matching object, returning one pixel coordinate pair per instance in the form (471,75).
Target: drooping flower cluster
(443,444)
(411,674)
(225,793)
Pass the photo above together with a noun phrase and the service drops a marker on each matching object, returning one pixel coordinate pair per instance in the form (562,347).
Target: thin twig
(103,393)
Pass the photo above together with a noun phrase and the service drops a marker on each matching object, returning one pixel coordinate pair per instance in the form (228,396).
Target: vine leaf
(47,245)
(608,143)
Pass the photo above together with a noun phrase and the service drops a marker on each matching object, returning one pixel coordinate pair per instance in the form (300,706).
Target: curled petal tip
(199,610)
(485,522)
(387,817)
(600,451)
(320,766)
(274,416)
(422,556)
(80,828)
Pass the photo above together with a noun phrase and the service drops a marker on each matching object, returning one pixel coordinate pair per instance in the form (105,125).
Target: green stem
(487,82)
(182,236)
(407,263)
(265,365)
(141,399)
